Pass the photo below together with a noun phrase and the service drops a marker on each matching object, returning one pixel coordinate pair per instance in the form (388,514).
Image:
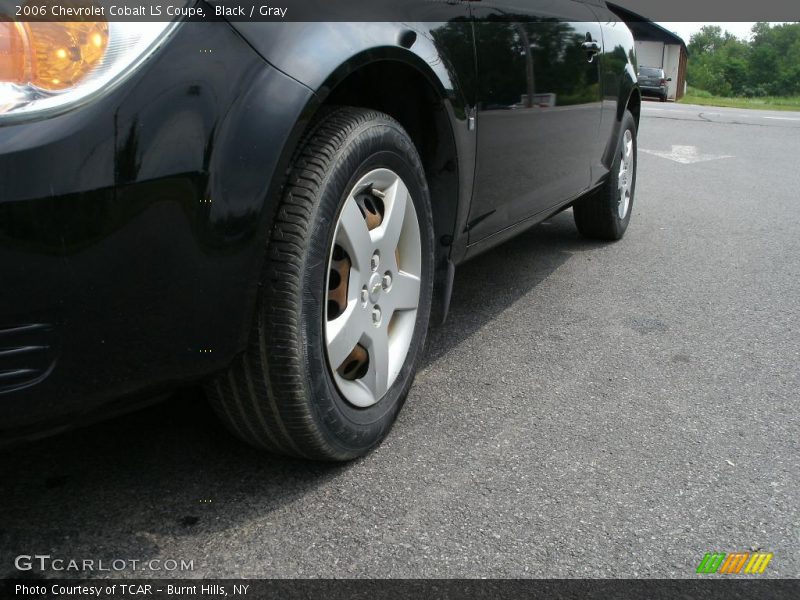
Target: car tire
(605,213)
(321,290)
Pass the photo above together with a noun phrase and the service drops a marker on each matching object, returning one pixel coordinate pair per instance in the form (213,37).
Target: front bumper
(132,229)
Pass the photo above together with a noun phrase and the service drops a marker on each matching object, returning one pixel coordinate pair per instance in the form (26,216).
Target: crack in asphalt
(702,117)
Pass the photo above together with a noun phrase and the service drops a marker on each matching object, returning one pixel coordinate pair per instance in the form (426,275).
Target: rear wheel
(606,213)
(345,298)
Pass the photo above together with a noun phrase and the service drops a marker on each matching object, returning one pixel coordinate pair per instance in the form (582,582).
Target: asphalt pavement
(589,409)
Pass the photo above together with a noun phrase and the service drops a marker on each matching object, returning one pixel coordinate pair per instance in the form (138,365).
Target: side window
(530,54)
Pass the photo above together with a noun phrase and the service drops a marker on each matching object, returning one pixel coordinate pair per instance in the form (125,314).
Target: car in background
(275,210)
(653,82)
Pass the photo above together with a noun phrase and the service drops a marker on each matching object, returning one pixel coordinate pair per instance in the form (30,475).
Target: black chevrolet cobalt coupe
(275,209)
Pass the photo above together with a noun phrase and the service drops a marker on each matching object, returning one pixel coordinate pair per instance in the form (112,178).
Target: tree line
(768,65)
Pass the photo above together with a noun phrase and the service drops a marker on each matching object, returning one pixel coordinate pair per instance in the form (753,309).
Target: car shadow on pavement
(489,284)
(114,489)
(118,488)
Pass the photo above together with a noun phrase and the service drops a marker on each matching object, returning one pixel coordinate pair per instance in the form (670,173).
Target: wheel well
(635,105)
(404,93)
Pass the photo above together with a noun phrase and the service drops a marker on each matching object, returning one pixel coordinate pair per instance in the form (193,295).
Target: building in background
(660,48)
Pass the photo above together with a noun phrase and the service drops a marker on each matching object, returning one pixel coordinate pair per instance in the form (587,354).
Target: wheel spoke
(395,214)
(404,294)
(377,377)
(344,333)
(628,148)
(623,181)
(354,235)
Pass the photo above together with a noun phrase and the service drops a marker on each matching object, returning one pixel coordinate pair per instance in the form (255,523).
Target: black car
(653,82)
(275,209)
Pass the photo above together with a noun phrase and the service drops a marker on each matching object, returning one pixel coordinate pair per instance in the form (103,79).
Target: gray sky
(685,30)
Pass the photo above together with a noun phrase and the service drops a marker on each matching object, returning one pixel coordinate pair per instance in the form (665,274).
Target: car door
(539,108)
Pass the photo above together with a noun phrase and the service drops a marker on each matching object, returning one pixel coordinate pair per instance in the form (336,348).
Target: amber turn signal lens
(12,52)
(50,56)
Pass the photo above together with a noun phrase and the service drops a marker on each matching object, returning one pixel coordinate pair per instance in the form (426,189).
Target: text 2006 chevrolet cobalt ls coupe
(276,209)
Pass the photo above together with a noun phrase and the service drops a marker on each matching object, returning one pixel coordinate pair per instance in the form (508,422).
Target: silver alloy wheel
(372,296)
(626,172)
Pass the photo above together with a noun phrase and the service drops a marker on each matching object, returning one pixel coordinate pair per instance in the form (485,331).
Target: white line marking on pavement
(781,118)
(686,155)
(669,110)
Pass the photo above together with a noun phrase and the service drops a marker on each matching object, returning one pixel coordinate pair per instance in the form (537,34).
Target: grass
(695,96)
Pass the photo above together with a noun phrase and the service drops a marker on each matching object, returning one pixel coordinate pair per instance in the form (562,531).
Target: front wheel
(345,299)
(606,213)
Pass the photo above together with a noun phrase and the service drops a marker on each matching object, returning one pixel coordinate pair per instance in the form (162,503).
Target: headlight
(46,67)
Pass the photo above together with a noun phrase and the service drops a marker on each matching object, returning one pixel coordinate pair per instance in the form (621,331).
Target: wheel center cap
(374,287)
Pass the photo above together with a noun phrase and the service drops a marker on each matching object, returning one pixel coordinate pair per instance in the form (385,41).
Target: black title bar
(362,10)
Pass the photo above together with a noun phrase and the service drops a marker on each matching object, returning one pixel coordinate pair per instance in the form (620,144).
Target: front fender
(320,55)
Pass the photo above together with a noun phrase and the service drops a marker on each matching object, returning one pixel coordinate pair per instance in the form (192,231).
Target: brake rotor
(371,205)
(338,282)
(355,365)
